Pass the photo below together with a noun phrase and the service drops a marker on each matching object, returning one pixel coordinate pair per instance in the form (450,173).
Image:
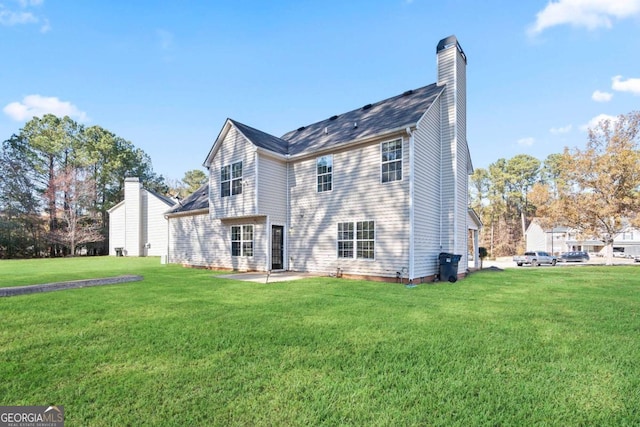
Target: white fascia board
(216,145)
(401,130)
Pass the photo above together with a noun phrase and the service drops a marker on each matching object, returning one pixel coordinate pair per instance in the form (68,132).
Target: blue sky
(166,74)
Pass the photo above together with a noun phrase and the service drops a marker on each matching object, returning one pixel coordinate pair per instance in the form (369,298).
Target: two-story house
(375,192)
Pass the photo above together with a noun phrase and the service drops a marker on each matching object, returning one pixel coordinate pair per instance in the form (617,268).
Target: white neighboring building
(137,224)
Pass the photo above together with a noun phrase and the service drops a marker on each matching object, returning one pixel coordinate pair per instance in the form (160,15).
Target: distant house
(565,239)
(137,225)
(552,240)
(376,192)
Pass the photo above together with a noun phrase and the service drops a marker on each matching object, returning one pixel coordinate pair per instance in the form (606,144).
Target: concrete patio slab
(261,277)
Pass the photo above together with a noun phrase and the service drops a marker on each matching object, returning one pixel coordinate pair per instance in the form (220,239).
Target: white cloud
(590,14)
(629,85)
(9,17)
(561,130)
(597,119)
(27,3)
(22,14)
(526,142)
(37,106)
(599,96)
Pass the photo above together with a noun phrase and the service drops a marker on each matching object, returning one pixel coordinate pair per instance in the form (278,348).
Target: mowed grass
(547,346)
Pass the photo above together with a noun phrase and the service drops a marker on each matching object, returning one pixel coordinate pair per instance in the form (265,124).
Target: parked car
(574,257)
(535,258)
(636,258)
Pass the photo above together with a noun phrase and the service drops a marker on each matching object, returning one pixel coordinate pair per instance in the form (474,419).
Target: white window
(391,159)
(359,236)
(324,168)
(242,240)
(365,239)
(345,240)
(231,179)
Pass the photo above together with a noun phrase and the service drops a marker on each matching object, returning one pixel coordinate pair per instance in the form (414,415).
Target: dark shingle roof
(199,199)
(262,139)
(397,112)
(373,119)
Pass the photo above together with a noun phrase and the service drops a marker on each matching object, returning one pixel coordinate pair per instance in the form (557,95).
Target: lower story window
(365,239)
(356,239)
(242,240)
(345,240)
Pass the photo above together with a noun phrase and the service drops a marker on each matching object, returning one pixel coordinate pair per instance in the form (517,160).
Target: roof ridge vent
(333,117)
(366,107)
(408,92)
(301,128)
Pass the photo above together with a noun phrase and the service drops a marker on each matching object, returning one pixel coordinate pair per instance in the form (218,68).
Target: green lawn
(547,346)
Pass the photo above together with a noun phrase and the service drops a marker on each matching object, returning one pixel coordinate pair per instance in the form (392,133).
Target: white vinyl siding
(272,189)
(454,159)
(235,149)
(201,241)
(117,224)
(156,237)
(357,195)
(138,224)
(426,228)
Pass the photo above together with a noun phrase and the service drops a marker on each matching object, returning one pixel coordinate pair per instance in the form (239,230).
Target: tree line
(59,178)
(595,191)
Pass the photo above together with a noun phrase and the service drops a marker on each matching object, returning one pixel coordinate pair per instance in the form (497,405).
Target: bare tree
(74,199)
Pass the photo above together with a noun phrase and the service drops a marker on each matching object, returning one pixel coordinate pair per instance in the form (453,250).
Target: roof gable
(164,199)
(256,137)
(262,139)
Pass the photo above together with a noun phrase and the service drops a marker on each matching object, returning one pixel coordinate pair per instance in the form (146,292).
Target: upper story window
(391,161)
(242,240)
(627,235)
(231,179)
(324,170)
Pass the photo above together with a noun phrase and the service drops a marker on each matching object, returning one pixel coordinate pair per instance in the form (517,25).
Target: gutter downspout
(287,227)
(411,207)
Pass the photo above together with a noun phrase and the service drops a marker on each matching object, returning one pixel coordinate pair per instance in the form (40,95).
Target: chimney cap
(447,42)
(132,179)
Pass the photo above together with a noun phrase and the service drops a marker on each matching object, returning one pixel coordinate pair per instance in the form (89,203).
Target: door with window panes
(277,247)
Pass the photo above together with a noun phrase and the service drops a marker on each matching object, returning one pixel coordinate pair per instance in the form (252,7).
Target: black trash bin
(448,266)
(118,251)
